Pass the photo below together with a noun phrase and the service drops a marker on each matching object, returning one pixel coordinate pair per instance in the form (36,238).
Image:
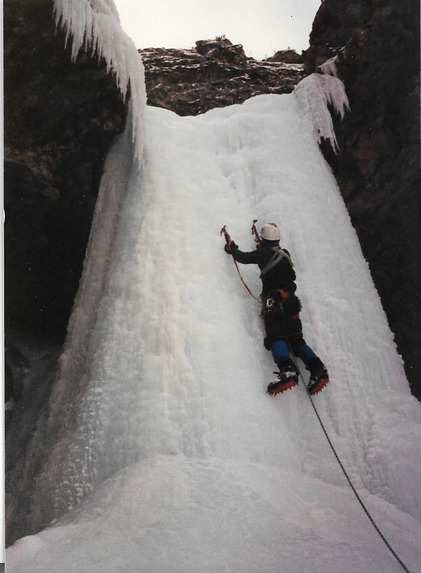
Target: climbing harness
(272,305)
(276,299)
(228,240)
(348,478)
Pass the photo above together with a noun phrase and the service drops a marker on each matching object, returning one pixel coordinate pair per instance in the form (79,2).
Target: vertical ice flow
(164,372)
(164,353)
(316,93)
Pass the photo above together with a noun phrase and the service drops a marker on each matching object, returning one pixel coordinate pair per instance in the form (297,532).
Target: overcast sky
(262,26)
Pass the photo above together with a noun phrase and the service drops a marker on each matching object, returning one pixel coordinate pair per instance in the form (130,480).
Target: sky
(262,26)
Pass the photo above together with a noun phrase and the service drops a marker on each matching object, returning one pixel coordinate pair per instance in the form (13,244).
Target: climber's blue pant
(280,351)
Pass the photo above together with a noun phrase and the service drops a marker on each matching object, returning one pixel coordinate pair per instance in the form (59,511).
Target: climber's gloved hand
(229,247)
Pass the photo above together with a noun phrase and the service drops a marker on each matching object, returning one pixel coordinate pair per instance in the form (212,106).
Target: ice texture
(95,25)
(165,453)
(315,93)
(329,67)
(167,448)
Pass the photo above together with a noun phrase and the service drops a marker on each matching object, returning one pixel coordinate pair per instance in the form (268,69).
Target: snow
(165,453)
(95,24)
(196,516)
(315,93)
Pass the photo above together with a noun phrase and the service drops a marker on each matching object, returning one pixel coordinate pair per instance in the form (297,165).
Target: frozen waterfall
(160,412)
(168,456)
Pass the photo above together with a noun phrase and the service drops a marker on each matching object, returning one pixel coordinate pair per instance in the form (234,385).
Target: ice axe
(255,232)
(228,240)
(224,232)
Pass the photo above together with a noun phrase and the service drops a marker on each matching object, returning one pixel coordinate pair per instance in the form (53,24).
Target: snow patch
(315,93)
(172,513)
(95,24)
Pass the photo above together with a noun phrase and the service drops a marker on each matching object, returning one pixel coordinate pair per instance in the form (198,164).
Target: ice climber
(281,311)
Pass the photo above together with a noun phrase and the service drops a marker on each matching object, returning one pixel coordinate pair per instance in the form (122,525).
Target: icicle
(95,24)
(329,67)
(314,94)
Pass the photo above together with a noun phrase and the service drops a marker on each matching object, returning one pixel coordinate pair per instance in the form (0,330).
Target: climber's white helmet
(270,232)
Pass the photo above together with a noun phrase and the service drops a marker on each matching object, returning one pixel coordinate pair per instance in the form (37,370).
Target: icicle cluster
(329,67)
(95,25)
(314,94)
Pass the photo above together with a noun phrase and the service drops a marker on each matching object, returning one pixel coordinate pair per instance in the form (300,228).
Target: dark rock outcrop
(287,57)
(60,119)
(377,168)
(215,73)
(34,363)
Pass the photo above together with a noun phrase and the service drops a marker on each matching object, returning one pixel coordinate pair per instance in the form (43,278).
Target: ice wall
(160,414)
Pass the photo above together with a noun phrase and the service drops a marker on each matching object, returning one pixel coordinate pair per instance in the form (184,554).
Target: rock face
(215,73)
(60,119)
(287,57)
(377,167)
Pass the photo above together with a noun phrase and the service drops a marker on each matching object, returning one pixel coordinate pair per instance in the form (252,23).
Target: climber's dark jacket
(281,276)
(282,321)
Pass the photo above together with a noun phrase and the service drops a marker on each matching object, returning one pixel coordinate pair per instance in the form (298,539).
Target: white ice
(329,67)
(315,93)
(168,454)
(161,409)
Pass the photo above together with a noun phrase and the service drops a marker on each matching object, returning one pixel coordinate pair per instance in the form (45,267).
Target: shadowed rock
(377,168)
(215,73)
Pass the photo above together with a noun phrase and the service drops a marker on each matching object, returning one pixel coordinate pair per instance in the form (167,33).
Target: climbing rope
(257,299)
(228,241)
(350,482)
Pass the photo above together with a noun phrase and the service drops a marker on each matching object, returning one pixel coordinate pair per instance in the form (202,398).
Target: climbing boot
(286,378)
(319,376)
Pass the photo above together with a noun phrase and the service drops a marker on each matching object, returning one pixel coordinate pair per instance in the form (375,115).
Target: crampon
(317,384)
(281,385)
